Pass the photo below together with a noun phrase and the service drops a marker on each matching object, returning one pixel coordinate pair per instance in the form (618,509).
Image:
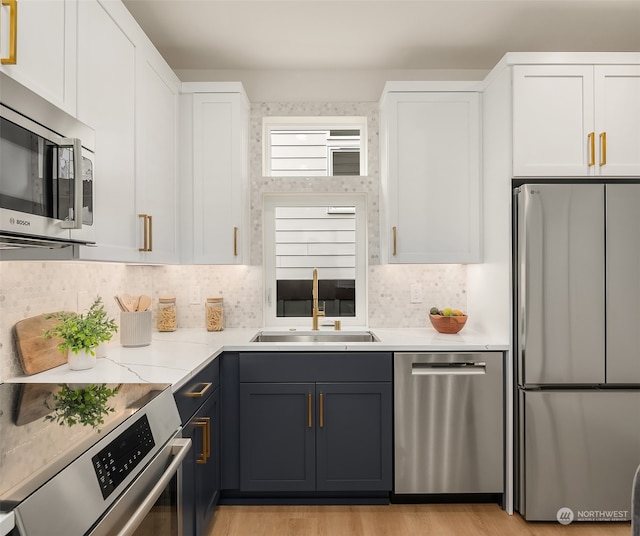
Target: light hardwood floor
(393,520)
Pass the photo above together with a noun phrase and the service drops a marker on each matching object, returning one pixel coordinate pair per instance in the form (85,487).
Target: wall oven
(46,172)
(123,480)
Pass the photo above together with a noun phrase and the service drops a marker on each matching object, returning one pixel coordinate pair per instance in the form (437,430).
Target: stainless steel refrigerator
(577,310)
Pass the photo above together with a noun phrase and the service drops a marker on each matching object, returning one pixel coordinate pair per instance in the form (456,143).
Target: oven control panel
(118,459)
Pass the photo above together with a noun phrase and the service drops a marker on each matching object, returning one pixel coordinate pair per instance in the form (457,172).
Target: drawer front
(316,367)
(197,390)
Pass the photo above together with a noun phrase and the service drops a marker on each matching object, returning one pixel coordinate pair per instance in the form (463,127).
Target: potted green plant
(86,405)
(82,333)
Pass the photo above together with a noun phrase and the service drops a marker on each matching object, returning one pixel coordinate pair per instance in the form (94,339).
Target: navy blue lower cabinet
(316,437)
(277,437)
(199,406)
(353,437)
(201,470)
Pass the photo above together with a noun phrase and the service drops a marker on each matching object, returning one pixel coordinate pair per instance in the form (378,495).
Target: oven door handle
(180,447)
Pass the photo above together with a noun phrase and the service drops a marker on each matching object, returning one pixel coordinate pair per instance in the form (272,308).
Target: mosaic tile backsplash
(32,288)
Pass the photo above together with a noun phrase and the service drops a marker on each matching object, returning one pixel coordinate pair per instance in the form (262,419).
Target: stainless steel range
(78,480)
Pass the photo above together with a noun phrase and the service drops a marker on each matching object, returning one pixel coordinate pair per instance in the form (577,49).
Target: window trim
(270,201)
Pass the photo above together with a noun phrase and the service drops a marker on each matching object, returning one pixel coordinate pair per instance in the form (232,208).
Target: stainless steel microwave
(46,172)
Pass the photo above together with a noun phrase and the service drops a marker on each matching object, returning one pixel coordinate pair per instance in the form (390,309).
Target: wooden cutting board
(31,402)
(37,353)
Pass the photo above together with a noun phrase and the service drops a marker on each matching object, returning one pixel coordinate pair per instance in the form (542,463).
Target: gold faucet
(316,312)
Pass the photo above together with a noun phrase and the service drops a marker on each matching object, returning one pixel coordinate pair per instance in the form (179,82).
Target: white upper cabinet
(617,119)
(576,120)
(106,102)
(41,53)
(129,95)
(430,177)
(214,172)
(157,93)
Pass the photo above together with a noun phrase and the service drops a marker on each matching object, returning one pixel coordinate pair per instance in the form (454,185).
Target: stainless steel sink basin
(318,336)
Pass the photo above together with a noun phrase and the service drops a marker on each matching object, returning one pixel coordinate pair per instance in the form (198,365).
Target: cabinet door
(277,437)
(45,49)
(201,469)
(156,148)
(219,177)
(553,120)
(432,178)
(354,436)
(617,103)
(207,479)
(106,102)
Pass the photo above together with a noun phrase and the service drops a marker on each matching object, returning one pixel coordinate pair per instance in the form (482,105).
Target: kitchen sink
(314,336)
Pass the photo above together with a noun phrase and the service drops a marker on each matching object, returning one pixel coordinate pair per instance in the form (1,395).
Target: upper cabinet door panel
(552,120)
(214,171)
(45,49)
(106,102)
(156,160)
(617,119)
(431,177)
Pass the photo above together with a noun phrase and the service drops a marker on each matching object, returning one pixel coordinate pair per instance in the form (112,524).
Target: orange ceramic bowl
(448,324)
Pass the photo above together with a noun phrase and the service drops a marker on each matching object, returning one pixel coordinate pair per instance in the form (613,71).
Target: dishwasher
(449,431)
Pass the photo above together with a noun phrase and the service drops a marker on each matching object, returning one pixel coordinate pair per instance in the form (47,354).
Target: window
(314,146)
(303,232)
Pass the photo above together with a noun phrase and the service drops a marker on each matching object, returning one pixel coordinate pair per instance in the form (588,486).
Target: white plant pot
(81,361)
(101,350)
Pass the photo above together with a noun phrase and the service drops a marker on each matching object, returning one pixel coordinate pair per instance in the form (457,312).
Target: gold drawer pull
(309,410)
(13,32)
(592,148)
(145,232)
(603,148)
(321,418)
(395,240)
(205,424)
(198,394)
(235,241)
(150,219)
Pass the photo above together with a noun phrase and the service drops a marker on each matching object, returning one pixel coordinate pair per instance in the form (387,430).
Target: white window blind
(315,237)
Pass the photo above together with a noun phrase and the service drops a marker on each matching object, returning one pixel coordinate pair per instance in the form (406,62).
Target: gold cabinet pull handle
(13,32)
(321,417)
(207,438)
(150,219)
(145,232)
(395,240)
(205,386)
(592,148)
(603,148)
(309,410)
(235,241)
(205,424)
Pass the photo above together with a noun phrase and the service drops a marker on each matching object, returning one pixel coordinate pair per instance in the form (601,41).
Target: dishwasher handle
(460,368)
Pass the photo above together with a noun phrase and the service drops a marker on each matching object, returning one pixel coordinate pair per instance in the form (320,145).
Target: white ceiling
(378,34)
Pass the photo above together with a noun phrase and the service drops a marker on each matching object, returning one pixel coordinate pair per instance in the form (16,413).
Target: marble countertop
(174,357)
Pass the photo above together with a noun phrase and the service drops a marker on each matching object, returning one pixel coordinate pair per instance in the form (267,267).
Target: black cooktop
(34,448)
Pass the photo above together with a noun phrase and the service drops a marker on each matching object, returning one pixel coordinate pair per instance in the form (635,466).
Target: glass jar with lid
(167,314)
(214,314)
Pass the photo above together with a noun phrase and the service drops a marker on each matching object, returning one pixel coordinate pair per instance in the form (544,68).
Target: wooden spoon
(144,303)
(128,302)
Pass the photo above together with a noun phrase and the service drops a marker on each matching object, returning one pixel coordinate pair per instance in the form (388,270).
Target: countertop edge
(176,357)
